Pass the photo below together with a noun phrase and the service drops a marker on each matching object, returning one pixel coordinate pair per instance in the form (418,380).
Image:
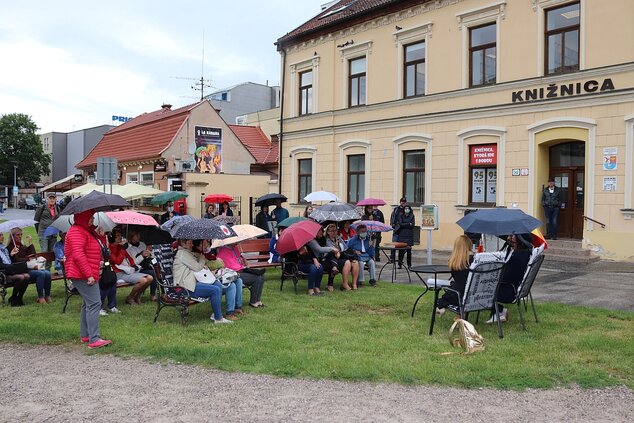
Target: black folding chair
(523,290)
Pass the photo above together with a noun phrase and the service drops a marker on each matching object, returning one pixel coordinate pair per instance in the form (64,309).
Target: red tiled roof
(332,15)
(252,137)
(143,137)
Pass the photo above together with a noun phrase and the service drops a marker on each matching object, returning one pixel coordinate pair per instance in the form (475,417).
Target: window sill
(627,213)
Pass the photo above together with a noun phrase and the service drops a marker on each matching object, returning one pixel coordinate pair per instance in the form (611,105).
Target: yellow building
(467,104)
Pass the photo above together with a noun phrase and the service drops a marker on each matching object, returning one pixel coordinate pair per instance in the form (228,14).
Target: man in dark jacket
(44,216)
(396,213)
(378,215)
(551,202)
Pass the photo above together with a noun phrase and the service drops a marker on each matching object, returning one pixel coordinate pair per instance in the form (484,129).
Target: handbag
(467,338)
(107,277)
(348,254)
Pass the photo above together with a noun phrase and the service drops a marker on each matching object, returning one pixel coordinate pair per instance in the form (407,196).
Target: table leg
(433,310)
(421,295)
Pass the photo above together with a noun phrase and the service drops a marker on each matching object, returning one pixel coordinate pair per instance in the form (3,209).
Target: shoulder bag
(107,278)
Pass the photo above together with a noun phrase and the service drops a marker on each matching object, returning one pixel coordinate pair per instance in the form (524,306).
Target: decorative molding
(356,49)
(304,65)
(545,4)
(475,131)
(390,19)
(415,33)
(489,12)
(539,6)
(398,141)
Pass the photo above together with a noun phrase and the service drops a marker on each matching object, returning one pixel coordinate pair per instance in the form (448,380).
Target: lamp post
(15,184)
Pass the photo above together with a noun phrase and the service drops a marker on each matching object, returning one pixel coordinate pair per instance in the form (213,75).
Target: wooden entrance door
(567,167)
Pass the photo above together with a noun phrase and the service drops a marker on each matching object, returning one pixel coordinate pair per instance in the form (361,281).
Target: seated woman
(20,280)
(142,256)
(344,264)
(459,262)
(520,253)
(42,277)
(364,249)
(321,251)
(233,260)
(186,262)
(345,231)
(126,269)
(274,255)
(232,292)
(308,263)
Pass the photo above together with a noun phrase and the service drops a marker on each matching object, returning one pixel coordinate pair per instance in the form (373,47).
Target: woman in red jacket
(126,268)
(83,263)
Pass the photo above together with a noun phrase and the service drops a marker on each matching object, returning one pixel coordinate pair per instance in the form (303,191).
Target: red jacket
(118,255)
(82,250)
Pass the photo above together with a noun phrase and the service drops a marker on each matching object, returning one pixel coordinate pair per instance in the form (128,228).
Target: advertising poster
(429,217)
(208,154)
(477,185)
(492,178)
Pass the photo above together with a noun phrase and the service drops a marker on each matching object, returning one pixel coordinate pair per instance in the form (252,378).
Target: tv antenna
(200,83)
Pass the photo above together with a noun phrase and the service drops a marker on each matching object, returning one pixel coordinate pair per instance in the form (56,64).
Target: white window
(147,178)
(304,85)
(132,178)
(412,54)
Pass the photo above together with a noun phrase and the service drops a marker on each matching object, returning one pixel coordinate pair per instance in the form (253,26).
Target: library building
(467,104)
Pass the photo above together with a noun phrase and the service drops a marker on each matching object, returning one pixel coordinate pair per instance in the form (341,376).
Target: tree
(20,145)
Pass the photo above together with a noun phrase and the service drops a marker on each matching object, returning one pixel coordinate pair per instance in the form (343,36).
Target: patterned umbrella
(296,236)
(218,198)
(131,217)
(371,202)
(176,222)
(373,225)
(227,220)
(204,229)
(95,200)
(335,212)
(166,197)
(101,220)
(290,221)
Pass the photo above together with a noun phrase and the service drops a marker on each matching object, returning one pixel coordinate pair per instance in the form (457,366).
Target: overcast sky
(73,64)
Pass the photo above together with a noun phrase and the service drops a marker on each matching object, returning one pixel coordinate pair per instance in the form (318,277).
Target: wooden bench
(55,275)
(256,253)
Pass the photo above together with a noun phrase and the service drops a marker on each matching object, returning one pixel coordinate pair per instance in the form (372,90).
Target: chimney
(166,107)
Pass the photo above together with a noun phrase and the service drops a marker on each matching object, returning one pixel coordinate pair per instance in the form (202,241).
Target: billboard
(208,153)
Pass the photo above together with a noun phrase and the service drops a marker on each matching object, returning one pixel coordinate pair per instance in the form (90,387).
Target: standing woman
(225,210)
(83,262)
(262,221)
(405,231)
(210,212)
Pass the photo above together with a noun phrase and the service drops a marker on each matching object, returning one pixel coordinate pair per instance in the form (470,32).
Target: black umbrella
(499,221)
(204,229)
(95,200)
(270,199)
(152,235)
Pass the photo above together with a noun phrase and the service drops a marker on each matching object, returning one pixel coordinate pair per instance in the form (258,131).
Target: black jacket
(405,228)
(262,222)
(551,200)
(395,214)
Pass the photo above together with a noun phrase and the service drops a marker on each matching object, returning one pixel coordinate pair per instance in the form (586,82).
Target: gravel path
(60,384)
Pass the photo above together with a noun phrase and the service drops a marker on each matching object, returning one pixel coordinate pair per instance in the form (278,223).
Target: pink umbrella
(371,202)
(130,217)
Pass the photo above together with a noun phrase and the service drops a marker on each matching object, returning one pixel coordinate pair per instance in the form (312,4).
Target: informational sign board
(429,217)
(485,154)
(610,158)
(609,183)
(15,190)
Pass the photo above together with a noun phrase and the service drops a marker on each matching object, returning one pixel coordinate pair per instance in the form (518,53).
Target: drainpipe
(281,137)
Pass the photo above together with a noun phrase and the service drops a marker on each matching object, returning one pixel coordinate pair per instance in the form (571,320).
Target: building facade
(241,99)
(467,104)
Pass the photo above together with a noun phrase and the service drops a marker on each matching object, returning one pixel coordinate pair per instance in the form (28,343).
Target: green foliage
(360,335)
(19,144)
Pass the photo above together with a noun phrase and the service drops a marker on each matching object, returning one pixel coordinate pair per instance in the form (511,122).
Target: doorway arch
(567,162)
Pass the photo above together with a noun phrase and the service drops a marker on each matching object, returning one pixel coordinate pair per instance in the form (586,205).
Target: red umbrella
(218,198)
(297,235)
(371,202)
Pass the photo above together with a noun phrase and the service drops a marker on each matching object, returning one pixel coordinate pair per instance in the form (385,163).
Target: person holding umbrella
(83,266)
(19,278)
(210,213)
(262,220)
(279,213)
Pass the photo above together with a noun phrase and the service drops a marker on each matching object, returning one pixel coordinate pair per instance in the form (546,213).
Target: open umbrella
(62,223)
(499,221)
(270,199)
(371,202)
(176,222)
(218,198)
(95,200)
(152,235)
(17,223)
(294,237)
(168,196)
(204,229)
(101,220)
(373,225)
(243,233)
(227,220)
(321,196)
(131,217)
(335,212)
(290,221)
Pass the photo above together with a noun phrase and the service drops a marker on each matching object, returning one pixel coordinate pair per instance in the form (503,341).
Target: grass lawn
(362,335)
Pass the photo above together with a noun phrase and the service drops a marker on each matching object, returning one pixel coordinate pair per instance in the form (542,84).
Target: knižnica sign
(562,90)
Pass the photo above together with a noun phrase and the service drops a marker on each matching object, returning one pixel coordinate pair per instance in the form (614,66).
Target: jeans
(256,283)
(42,282)
(314,274)
(111,295)
(552,213)
(89,314)
(154,283)
(231,294)
(214,293)
(372,268)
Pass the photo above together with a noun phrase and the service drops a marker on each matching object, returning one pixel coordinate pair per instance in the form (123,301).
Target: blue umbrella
(499,221)
(204,229)
(51,231)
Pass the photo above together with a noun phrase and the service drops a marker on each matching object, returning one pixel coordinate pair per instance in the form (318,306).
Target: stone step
(577,252)
(564,243)
(567,258)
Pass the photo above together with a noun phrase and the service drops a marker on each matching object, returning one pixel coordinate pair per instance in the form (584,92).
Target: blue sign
(120,118)
(15,190)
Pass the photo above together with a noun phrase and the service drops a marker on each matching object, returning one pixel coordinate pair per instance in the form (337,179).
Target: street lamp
(15,184)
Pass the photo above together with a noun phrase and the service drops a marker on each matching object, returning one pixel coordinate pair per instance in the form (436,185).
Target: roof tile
(252,137)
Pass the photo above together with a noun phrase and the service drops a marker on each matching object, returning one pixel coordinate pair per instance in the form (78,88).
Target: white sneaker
(115,310)
(502,316)
(103,312)
(223,321)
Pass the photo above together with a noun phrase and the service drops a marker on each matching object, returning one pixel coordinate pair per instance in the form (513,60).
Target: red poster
(485,154)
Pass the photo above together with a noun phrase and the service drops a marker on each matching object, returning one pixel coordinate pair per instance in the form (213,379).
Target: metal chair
(523,290)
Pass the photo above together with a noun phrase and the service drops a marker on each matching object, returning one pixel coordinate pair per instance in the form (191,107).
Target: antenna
(201,83)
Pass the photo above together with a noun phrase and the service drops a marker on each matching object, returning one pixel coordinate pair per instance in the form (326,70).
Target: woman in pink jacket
(83,265)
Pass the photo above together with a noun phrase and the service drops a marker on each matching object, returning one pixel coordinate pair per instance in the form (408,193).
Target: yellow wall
(267,120)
